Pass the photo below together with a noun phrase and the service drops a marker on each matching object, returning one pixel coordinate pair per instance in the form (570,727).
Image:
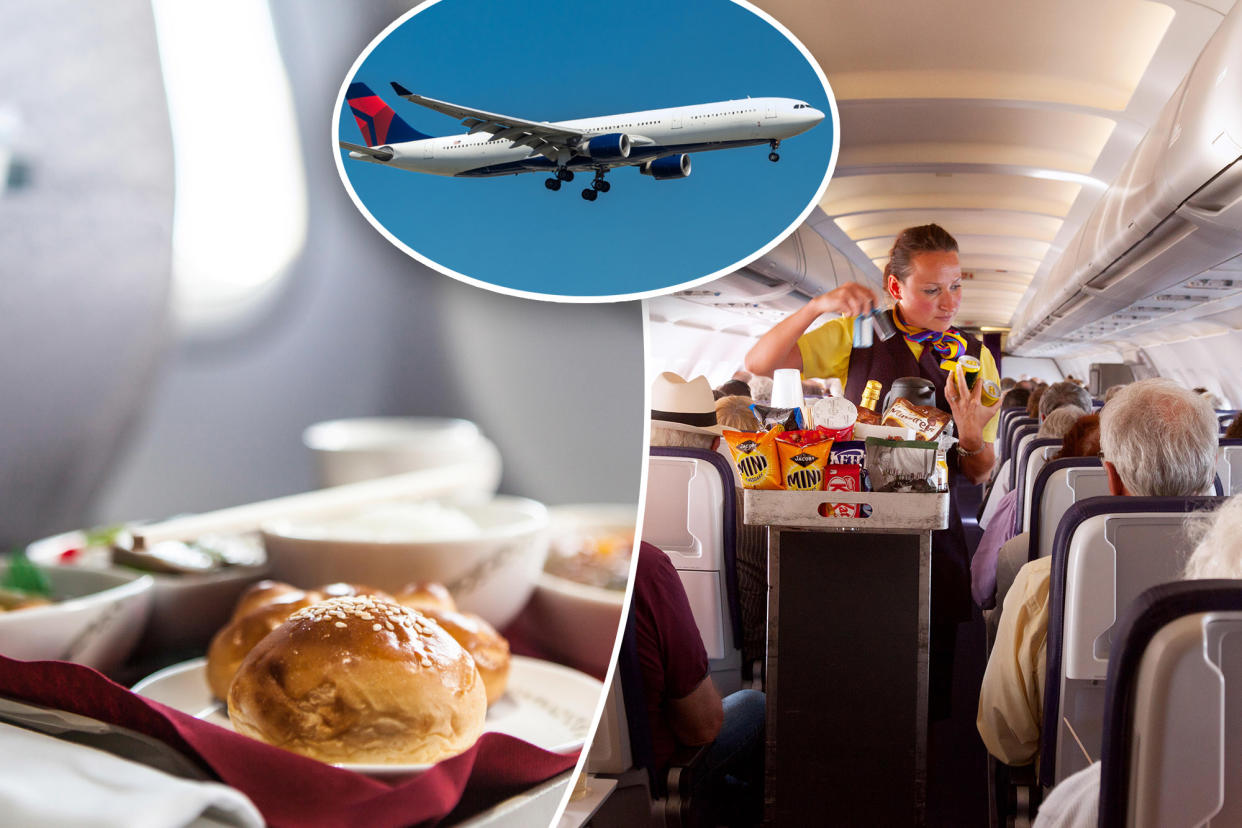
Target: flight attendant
(924,279)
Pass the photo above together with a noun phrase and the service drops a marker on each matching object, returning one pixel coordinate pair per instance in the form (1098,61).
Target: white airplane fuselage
(653,134)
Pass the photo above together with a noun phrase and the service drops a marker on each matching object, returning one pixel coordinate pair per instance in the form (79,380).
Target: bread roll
(265,592)
(427,595)
(488,648)
(341,589)
(236,638)
(360,680)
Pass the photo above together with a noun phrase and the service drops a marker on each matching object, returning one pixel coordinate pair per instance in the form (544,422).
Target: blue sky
(570,60)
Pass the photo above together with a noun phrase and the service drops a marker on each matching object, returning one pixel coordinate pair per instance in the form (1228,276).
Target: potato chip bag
(755,456)
(803,456)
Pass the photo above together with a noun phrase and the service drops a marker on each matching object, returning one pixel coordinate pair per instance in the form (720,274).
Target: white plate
(546,704)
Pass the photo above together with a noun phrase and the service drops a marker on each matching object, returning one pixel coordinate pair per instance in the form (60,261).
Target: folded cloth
(45,781)
(289,789)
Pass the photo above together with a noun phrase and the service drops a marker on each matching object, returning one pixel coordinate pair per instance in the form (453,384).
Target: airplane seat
(1034,457)
(690,513)
(1005,446)
(1172,749)
(1019,450)
(621,750)
(1107,550)
(1059,485)
(1007,416)
(1229,465)
(1015,440)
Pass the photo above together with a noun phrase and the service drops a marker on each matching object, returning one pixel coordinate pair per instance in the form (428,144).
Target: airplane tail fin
(376,119)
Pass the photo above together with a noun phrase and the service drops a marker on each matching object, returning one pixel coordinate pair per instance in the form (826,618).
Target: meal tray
(890,511)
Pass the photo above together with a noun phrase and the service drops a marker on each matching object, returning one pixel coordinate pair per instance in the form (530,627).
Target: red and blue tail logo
(376,120)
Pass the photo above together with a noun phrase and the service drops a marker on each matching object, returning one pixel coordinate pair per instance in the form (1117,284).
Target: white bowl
(186,609)
(96,620)
(364,448)
(572,622)
(491,574)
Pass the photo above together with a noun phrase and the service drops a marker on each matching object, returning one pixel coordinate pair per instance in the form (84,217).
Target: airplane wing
(377,154)
(546,139)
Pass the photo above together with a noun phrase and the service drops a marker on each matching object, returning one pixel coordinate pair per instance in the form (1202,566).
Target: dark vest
(889,360)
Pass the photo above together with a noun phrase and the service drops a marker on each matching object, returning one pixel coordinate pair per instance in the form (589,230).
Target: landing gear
(774,156)
(564,174)
(599,185)
(552,183)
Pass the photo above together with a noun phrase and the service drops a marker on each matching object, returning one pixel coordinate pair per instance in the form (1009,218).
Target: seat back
(1106,552)
(1059,485)
(1007,416)
(1229,465)
(1034,456)
(690,514)
(1025,432)
(1172,751)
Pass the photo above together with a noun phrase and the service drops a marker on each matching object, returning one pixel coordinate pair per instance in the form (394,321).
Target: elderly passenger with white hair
(1158,439)
(1075,802)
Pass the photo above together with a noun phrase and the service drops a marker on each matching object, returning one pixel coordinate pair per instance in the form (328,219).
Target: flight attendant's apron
(886,361)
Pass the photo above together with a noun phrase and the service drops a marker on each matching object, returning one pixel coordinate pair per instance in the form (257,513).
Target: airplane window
(214,283)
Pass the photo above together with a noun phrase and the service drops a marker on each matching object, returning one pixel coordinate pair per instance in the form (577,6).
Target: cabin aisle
(957,795)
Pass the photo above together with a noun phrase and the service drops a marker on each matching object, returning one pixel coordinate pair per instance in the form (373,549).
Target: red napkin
(292,790)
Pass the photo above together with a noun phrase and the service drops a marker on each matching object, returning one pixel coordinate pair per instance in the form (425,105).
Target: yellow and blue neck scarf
(948,345)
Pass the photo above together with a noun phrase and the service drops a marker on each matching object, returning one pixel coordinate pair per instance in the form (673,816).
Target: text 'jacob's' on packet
(803,457)
(756,458)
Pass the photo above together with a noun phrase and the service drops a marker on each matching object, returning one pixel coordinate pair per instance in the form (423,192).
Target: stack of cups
(787,391)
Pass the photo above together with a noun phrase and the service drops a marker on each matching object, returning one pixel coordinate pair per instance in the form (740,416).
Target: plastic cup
(787,388)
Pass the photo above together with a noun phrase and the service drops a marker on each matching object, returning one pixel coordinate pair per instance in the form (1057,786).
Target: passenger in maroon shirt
(683,706)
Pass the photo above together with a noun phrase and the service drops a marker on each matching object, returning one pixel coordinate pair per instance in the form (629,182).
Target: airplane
(657,141)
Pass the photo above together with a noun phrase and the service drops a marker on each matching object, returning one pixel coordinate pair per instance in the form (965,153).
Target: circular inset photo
(549,152)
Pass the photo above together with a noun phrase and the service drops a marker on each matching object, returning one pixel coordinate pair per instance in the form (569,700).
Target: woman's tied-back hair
(926,238)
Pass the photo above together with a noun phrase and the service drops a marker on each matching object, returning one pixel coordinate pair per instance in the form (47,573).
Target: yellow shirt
(1011,700)
(826,353)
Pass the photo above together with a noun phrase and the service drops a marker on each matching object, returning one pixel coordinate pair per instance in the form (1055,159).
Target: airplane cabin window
(253,198)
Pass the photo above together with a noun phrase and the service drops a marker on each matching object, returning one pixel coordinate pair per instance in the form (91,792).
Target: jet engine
(670,166)
(611,147)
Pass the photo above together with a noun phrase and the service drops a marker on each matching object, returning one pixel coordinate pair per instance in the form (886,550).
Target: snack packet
(788,418)
(848,452)
(926,422)
(902,465)
(842,477)
(756,458)
(803,456)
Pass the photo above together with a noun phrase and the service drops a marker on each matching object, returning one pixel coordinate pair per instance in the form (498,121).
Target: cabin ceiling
(1003,122)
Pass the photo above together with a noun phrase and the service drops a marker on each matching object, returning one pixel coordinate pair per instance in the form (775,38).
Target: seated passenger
(683,706)
(1054,397)
(1082,439)
(1235,429)
(732,388)
(1003,524)
(1075,802)
(1159,439)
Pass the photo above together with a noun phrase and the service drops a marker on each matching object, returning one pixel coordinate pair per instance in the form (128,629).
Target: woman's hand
(969,412)
(850,299)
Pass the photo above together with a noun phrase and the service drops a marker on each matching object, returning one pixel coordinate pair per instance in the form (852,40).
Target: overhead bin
(809,264)
(1161,244)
